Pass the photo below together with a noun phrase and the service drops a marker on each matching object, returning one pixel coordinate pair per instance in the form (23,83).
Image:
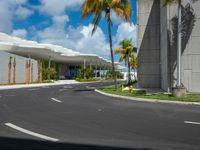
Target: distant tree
(122,8)
(134,64)
(126,51)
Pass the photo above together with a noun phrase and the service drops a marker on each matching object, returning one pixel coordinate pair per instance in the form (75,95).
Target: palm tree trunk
(129,71)
(111,50)
(179,42)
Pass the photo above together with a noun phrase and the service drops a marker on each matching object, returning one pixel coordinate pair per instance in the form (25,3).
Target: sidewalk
(59,82)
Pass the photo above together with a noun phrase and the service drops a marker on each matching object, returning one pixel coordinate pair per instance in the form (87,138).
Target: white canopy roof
(56,53)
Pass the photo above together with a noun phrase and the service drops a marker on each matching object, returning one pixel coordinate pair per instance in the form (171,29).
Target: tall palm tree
(126,50)
(179,40)
(122,8)
(9,69)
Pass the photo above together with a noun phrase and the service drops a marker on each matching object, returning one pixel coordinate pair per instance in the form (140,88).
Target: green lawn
(159,96)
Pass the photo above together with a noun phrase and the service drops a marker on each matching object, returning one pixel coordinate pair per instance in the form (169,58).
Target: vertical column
(49,66)
(100,70)
(14,71)
(84,67)
(26,73)
(31,72)
(9,70)
(96,70)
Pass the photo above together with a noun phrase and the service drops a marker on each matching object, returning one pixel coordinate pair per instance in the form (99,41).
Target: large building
(157,44)
(20,59)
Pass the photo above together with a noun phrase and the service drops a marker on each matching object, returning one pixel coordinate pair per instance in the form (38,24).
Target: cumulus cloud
(5,17)
(21,33)
(116,20)
(79,39)
(125,30)
(53,7)
(23,12)
(8,11)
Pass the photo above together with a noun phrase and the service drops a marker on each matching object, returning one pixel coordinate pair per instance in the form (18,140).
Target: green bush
(86,73)
(109,74)
(50,72)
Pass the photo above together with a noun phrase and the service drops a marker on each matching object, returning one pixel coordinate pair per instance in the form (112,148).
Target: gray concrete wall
(190,60)
(149,44)
(157,44)
(20,68)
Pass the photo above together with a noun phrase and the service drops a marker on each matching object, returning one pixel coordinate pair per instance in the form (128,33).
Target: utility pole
(179,45)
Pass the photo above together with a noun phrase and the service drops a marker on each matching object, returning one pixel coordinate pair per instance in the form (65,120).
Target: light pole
(179,45)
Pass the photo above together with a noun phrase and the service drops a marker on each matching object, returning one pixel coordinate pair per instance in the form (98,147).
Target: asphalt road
(75,117)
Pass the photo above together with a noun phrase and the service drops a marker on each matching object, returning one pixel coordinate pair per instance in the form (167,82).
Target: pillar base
(179,91)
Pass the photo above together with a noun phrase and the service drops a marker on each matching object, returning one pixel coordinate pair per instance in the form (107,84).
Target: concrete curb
(147,100)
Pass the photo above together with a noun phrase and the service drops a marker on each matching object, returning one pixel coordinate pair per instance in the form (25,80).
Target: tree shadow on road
(25,144)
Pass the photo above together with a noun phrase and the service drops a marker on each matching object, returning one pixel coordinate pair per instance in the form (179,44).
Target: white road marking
(68,87)
(31,133)
(45,87)
(56,100)
(191,122)
(61,90)
(89,87)
(33,89)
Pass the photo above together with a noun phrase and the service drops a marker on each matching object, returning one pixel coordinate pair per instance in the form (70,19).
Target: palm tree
(9,69)
(96,7)
(134,64)
(126,50)
(179,40)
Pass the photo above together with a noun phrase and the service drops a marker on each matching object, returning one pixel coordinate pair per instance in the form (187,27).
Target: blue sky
(58,22)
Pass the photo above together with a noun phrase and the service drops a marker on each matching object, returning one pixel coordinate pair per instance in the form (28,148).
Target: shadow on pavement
(25,144)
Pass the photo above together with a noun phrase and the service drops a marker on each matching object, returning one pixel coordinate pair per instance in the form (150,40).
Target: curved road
(75,117)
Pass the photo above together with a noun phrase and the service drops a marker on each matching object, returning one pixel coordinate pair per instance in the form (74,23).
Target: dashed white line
(68,87)
(33,89)
(61,90)
(56,100)
(191,122)
(31,133)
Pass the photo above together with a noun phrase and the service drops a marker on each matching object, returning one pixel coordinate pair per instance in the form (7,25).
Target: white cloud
(8,11)
(79,39)
(23,13)
(125,30)
(116,20)
(53,7)
(60,20)
(5,17)
(21,33)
